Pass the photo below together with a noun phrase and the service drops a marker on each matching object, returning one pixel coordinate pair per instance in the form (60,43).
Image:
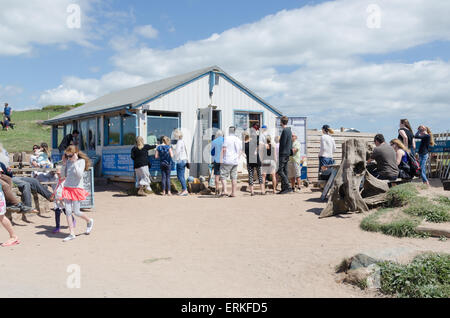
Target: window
(113,131)
(68,129)
(91,134)
(161,125)
(129,130)
(84,126)
(99,135)
(245,120)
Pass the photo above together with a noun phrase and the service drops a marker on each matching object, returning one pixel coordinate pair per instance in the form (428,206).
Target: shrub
(428,275)
(443,200)
(400,226)
(422,207)
(401,195)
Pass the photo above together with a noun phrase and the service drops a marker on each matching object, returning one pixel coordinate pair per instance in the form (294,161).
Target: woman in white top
(327,148)
(181,159)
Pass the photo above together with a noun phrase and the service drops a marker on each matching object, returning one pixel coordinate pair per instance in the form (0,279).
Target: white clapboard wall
(313,148)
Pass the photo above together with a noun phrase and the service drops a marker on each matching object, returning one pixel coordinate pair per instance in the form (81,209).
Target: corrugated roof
(136,96)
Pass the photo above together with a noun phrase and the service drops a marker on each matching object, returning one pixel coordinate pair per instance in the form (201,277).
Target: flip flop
(16,242)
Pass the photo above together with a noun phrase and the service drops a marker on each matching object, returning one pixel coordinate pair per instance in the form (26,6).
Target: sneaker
(69,238)
(90,225)
(285,191)
(24,208)
(56,230)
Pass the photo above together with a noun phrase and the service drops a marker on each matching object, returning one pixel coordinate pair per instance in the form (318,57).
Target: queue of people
(265,158)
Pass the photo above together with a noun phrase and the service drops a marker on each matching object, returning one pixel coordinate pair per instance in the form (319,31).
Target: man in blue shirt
(216,151)
(7,111)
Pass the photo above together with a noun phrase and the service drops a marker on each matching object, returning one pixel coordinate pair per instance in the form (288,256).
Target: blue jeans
(423,166)
(181,168)
(165,177)
(323,161)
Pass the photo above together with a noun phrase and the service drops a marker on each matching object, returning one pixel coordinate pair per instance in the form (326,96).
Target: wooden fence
(313,148)
(439,163)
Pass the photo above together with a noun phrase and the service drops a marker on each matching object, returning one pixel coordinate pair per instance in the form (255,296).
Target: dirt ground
(197,246)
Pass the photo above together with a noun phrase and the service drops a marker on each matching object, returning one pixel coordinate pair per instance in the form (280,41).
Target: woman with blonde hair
(426,140)
(139,154)
(402,158)
(181,159)
(327,148)
(75,163)
(406,135)
(165,154)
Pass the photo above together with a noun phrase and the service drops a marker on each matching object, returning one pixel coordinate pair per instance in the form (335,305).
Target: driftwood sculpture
(354,188)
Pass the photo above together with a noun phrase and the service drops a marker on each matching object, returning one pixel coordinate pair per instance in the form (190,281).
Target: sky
(346,63)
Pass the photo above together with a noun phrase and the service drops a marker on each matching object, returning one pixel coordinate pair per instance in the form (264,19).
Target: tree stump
(354,188)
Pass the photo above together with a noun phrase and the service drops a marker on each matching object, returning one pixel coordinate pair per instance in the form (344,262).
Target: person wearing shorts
(294,170)
(231,152)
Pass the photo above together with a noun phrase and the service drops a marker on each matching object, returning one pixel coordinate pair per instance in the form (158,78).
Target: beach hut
(198,103)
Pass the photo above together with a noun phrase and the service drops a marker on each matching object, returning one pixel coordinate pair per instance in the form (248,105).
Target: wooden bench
(397,182)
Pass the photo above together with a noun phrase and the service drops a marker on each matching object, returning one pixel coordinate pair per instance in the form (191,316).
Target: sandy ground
(198,246)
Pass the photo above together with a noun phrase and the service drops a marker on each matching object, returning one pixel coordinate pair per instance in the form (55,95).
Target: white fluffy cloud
(323,46)
(147,31)
(24,23)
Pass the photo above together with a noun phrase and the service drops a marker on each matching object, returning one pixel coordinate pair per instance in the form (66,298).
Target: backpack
(164,155)
(414,166)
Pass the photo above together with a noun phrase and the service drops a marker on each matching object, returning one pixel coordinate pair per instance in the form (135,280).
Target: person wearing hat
(327,148)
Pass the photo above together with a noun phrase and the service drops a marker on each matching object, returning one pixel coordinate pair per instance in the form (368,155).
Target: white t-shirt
(327,146)
(180,151)
(233,149)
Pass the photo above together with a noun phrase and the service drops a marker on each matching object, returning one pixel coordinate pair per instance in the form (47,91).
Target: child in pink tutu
(75,163)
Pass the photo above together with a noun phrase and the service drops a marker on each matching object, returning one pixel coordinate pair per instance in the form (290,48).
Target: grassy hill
(29,129)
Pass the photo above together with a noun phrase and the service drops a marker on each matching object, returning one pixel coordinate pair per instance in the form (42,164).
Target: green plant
(428,275)
(400,226)
(443,200)
(401,195)
(423,207)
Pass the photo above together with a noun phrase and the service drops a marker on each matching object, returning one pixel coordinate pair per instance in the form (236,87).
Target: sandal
(12,243)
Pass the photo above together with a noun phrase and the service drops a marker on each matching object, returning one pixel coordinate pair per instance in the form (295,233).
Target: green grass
(401,195)
(28,130)
(443,200)
(400,226)
(427,276)
(422,207)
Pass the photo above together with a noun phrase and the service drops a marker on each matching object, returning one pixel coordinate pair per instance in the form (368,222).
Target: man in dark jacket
(284,153)
(70,139)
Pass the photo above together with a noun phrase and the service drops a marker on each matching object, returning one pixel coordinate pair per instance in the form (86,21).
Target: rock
(362,260)
(364,277)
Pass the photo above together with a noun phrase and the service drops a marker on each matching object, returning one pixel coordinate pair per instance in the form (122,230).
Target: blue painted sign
(440,146)
(117,162)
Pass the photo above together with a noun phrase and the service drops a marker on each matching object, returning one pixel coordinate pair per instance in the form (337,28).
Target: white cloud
(147,31)
(25,23)
(323,45)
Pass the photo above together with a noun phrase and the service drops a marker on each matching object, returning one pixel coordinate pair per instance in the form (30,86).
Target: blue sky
(310,58)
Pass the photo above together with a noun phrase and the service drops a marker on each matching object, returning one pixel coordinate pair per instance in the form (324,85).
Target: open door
(202,146)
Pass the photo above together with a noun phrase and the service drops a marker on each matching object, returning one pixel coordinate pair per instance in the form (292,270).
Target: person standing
(139,154)
(285,152)
(268,154)
(181,159)
(7,112)
(294,163)
(426,140)
(406,136)
(216,153)
(327,148)
(231,152)
(165,154)
(75,163)
(253,162)
(4,221)
(70,139)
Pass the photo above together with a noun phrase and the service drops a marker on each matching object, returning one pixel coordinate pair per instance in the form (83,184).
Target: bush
(401,226)
(443,200)
(401,195)
(428,275)
(422,207)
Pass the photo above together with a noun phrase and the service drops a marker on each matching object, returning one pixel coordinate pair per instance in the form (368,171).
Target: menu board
(117,162)
(88,181)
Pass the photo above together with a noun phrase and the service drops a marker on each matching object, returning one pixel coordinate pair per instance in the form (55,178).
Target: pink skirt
(74,194)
